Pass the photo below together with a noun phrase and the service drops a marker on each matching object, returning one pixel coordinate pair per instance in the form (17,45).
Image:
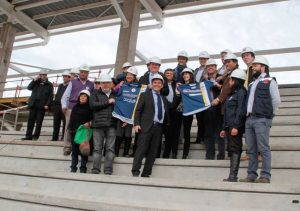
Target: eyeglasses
(97,83)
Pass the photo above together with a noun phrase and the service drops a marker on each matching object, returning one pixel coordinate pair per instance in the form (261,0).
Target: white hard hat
(226,51)
(230,56)
(74,70)
(238,73)
(261,60)
(183,54)
(211,62)
(155,60)
(132,70)
(66,73)
(157,76)
(43,72)
(204,54)
(84,67)
(87,92)
(104,77)
(189,70)
(247,50)
(126,64)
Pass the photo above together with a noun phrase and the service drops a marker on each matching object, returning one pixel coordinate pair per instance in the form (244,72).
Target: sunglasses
(97,83)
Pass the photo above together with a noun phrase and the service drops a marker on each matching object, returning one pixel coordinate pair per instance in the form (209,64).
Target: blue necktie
(159,106)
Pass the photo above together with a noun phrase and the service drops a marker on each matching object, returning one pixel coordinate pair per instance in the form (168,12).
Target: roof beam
(26,21)
(19,70)
(35,4)
(120,13)
(153,8)
(73,9)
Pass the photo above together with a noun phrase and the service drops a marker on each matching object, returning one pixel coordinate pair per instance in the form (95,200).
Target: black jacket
(235,110)
(41,95)
(81,114)
(144,113)
(145,80)
(102,110)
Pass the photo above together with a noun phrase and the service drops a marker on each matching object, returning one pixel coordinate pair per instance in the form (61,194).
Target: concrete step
(290,98)
(289,91)
(291,104)
(150,193)
(280,153)
(14,204)
(209,171)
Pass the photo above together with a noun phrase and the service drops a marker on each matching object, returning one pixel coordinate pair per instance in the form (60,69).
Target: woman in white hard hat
(188,78)
(81,115)
(124,130)
(234,121)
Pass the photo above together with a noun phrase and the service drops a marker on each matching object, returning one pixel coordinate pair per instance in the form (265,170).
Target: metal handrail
(11,110)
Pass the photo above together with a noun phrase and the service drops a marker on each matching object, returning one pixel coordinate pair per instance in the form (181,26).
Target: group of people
(227,102)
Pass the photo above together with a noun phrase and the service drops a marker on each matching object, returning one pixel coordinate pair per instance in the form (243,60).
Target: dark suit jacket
(144,113)
(145,80)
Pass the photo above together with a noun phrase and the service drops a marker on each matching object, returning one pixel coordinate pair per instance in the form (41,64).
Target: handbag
(82,137)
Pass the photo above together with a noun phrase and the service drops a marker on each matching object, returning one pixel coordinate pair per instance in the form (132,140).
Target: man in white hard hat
(248,56)
(74,72)
(223,53)
(199,77)
(182,58)
(154,67)
(39,101)
(120,77)
(150,114)
(104,124)
(69,99)
(231,62)
(58,115)
(199,71)
(262,104)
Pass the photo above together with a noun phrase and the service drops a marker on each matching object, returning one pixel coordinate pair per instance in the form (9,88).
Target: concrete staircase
(34,175)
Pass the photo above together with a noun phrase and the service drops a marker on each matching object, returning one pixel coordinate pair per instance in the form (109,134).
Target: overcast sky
(268,26)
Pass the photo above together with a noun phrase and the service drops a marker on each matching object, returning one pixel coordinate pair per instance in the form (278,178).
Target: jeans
(257,139)
(105,135)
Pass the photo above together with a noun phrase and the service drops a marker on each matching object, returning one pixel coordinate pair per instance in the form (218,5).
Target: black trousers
(211,118)
(201,129)
(187,125)
(58,117)
(36,117)
(172,133)
(75,154)
(147,146)
(235,143)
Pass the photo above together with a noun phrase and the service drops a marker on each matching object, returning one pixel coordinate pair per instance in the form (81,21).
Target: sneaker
(249,180)
(185,157)
(82,170)
(95,171)
(108,173)
(230,180)
(263,180)
(26,139)
(73,170)
(245,158)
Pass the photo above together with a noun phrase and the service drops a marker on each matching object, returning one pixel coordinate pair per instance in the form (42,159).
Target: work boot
(118,145)
(126,147)
(263,180)
(234,167)
(248,180)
